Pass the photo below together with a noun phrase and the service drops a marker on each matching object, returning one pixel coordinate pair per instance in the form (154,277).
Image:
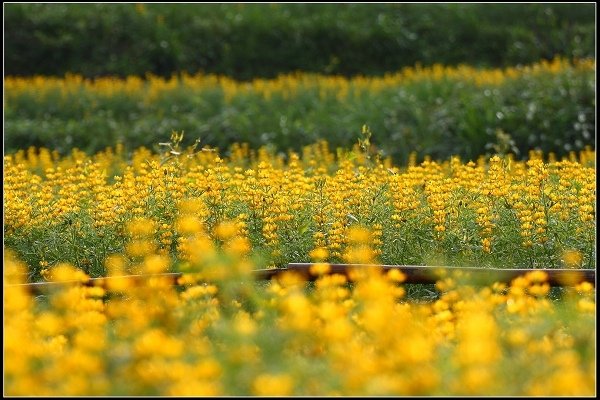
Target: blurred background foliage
(245,41)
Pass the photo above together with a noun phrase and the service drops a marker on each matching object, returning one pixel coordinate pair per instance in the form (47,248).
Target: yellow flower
(537,276)
(225,230)
(65,272)
(359,255)
(584,287)
(188,225)
(156,343)
(359,235)
(191,206)
(319,254)
(273,385)
(238,246)
(155,264)
(139,248)
(395,275)
(320,268)
(572,258)
(539,290)
(586,305)
(244,324)
(49,324)
(140,227)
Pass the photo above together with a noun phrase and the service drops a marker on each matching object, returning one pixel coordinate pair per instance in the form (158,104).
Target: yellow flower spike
(15,271)
(155,342)
(188,225)
(517,337)
(49,324)
(476,380)
(486,245)
(115,264)
(244,324)
(118,284)
(320,269)
(520,282)
(359,235)
(57,344)
(191,206)
(226,230)
(96,291)
(445,284)
(46,274)
(572,258)
(319,254)
(357,274)
(342,293)
(586,305)
(140,248)
(537,276)
(443,316)
(298,311)
(189,279)
(140,227)
(584,287)
(477,332)
(195,388)
(64,272)
(359,255)
(338,329)
(156,264)
(199,248)
(451,296)
(273,385)
(208,368)
(195,292)
(332,280)
(539,290)
(395,275)
(238,246)
(289,279)
(90,340)
(440,306)
(514,306)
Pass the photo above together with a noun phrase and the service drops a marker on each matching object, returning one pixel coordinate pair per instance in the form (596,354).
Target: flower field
(445,176)
(496,212)
(216,219)
(217,333)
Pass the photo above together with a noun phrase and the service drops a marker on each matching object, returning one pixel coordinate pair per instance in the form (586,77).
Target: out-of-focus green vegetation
(244,41)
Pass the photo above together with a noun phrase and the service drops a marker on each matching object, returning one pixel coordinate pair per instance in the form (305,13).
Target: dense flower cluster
(493,212)
(219,333)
